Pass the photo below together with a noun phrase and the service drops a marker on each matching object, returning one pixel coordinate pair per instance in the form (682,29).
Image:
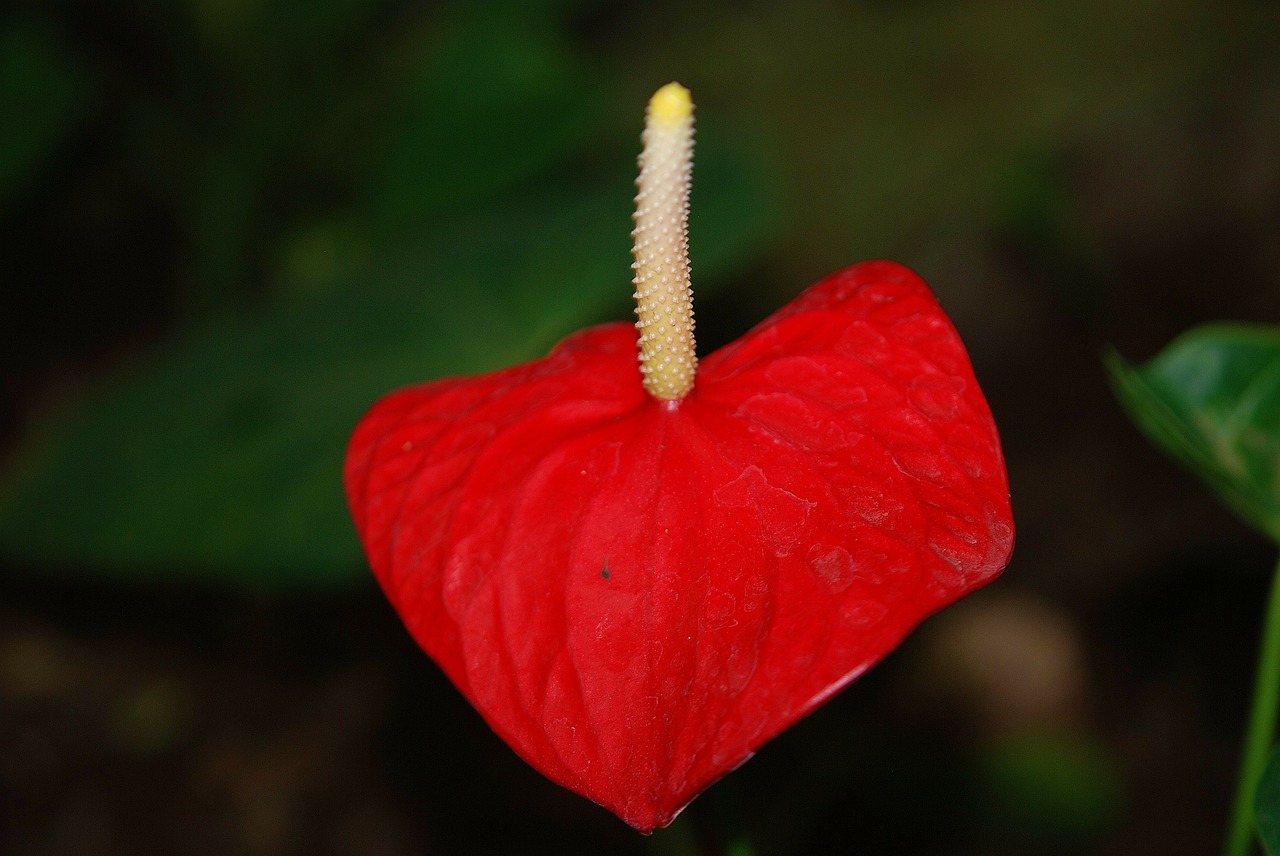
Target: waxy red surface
(637,594)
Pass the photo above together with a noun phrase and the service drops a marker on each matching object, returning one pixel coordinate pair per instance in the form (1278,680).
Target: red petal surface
(636,594)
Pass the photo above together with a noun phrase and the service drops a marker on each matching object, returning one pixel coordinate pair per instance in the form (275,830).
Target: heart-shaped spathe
(636,594)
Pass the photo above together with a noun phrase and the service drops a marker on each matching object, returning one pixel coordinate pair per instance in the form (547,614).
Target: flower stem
(1261,732)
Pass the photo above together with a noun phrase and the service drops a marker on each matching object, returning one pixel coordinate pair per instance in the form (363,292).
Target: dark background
(229,225)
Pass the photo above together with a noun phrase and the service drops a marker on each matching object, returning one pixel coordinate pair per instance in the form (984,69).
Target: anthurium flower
(638,575)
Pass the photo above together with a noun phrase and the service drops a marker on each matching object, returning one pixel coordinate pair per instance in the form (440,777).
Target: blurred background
(229,225)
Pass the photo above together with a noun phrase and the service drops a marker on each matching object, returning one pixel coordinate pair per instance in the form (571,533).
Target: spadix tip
(670,105)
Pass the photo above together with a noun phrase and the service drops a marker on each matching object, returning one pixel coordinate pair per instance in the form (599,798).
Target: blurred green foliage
(471,205)
(44,93)
(1051,786)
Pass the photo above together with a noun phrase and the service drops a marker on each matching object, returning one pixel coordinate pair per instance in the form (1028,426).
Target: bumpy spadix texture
(664,296)
(636,594)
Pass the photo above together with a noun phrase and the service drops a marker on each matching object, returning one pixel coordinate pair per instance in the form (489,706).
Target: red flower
(637,593)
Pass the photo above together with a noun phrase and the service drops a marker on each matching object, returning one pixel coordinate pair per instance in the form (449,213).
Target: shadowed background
(229,225)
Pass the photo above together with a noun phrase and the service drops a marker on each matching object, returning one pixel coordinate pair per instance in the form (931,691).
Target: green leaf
(1266,805)
(218,457)
(1211,400)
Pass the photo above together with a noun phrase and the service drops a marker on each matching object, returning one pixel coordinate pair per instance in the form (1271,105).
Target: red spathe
(638,594)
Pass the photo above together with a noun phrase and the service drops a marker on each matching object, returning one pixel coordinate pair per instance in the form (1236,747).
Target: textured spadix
(637,593)
(664,294)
